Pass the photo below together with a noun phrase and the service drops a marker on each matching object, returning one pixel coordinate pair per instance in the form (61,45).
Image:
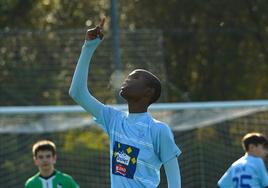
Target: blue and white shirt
(139,145)
(246,172)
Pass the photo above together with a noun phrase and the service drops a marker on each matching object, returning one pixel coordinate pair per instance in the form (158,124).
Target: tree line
(211,50)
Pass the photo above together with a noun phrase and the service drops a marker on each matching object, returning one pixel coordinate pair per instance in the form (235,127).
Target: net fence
(38,65)
(207,133)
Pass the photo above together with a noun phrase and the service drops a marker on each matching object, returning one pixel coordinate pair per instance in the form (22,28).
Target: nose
(126,81)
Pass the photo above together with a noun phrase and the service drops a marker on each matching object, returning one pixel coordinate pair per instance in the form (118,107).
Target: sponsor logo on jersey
(121,169)
(124,160)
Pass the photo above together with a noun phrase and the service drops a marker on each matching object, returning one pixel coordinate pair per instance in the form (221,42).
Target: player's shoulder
(63,175)
(114,111)
(31,181)
(66,178)
(251,158)
(242,160)
(159,127)
(248,159)
(255,160)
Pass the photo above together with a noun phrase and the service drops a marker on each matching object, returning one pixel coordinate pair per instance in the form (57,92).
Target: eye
(48,156)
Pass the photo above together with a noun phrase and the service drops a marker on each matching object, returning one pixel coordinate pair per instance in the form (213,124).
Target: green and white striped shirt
(57,180)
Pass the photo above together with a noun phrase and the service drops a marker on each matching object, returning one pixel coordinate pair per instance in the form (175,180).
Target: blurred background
(201,50)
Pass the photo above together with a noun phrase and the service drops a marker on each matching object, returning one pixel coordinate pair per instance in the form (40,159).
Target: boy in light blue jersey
(249,171)
(139,144)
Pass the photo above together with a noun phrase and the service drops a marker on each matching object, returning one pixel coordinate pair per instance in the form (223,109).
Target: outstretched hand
(96,32)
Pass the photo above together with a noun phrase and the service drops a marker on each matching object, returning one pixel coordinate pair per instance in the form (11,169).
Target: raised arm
(79,90)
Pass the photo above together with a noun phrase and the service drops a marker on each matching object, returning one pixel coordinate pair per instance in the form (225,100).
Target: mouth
(45,165)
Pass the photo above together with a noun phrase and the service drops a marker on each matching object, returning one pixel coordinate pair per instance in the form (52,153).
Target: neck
(137,108)
(46,173)
(253,154)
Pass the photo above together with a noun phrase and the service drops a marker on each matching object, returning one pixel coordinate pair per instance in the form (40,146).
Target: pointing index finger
(102,23)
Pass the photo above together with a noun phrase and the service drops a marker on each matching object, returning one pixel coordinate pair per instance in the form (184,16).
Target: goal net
(208,133)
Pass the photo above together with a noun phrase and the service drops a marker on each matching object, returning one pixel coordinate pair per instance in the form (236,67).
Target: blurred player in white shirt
(249,171)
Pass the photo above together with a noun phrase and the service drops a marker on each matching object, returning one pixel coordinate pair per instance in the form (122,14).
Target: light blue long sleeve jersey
(139,144)
(246,172)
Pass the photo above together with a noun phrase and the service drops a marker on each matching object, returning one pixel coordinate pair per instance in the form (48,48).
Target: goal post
(208,133)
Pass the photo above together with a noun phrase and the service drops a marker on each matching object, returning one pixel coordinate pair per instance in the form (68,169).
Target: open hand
(96,32)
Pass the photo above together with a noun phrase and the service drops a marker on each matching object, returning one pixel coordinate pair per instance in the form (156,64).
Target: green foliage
(48,14)
(209,54)
(96,139)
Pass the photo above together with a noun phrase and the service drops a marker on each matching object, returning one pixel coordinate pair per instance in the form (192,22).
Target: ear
(54,158)
(35,161)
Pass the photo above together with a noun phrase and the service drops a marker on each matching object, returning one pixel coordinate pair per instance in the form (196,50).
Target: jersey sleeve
(263,174)
(102,114)
(226,180)
(167,148)
(67,180)
(26,185)
(79,90)
(33,183)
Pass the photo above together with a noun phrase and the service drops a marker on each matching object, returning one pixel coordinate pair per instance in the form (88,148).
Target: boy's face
(259,150)
(45,160)
(134,86)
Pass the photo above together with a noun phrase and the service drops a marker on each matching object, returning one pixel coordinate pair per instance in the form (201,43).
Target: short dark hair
(153,82)
(254,138)
(44,145)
